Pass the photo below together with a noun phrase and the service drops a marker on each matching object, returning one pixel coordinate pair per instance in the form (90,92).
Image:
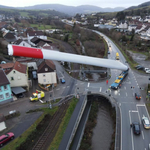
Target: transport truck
(115,85)
(37,95)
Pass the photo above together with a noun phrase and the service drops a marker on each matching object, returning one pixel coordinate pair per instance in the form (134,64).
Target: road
(131,109)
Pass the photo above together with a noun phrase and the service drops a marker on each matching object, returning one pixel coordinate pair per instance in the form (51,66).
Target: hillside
(70,10)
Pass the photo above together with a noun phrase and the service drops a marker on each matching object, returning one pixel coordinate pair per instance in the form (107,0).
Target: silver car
(146,122)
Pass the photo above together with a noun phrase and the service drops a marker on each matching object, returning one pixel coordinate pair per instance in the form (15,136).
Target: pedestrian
(106,81)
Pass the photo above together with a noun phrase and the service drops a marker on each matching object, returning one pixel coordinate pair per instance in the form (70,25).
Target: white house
(47,73)
(21,42)
(131,27)
(17,74)
(123,25)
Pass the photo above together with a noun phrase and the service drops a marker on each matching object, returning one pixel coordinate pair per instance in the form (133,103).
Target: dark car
(140,68)
(21,95)
(136,128)
(137,96)
(6,137)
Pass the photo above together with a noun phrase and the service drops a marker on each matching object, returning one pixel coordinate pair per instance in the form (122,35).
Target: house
(40,42)
(10,37)
(21,42)
(5,90)
(17,74)
(2,122)
(38,34)
(123,25)
(47,73)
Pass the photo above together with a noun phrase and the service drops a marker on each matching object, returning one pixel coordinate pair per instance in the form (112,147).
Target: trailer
(117,83)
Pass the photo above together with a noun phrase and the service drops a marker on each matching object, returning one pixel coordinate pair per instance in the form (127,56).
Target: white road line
(126,94)
(125,87)
(121,123)
(140,105)
(131,131)
(88,85)
(134,111)
(143,135)
(133,94)
(100,89)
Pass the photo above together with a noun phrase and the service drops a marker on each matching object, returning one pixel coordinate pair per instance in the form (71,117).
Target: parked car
(137,96)
(6,137)
(34,75)
(20,95)
(140,68)
(136,128)
(145,122)
(147,71)
(108,52)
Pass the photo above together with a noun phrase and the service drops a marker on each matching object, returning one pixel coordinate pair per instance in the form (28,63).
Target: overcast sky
(100,3)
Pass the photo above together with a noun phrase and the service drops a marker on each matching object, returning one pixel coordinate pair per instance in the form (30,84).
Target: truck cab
(117,56)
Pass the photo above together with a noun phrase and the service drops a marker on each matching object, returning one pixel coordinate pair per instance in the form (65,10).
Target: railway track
(49,133)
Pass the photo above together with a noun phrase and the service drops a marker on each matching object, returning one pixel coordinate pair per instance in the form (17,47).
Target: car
(140,68)
(136,128)
(34,75)
(6,137)
(147,71)
(108,52)
(137,96)
(145,122)
(62,81)
(20,95)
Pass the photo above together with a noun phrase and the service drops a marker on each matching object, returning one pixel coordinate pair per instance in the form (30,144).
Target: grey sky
(100,3)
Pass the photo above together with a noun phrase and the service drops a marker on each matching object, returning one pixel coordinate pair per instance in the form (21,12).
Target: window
(5,87)
(0,89)
(46,69)
(7,95)
(14,71)
(44,80)
(19,77)
(1,97)
(43,75)
(12,78)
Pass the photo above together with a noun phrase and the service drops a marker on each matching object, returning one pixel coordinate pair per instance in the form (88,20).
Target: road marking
(125,87)
(57,89)
(143,135)
(88,85)
(131,131)
(140,105)
(126,94)
(100,89)
(134,111)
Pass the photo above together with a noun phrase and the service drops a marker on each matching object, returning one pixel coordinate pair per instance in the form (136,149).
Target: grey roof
(3,78)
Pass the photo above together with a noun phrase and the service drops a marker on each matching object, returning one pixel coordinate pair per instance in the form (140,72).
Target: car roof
(3,136)
(146,120)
